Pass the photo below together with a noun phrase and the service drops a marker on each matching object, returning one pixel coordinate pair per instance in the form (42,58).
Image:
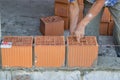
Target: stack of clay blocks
(52,26)
(62,10)
(107,23)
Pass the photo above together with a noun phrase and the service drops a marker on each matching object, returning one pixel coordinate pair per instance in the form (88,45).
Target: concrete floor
(21,18)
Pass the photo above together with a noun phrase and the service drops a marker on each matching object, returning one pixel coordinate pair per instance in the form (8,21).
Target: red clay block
(49,51)
(20,54)
(83,53)
(104,28)
(111,18)
(62,10)
(52,26)
(106,17)
(66,23)
(110,28)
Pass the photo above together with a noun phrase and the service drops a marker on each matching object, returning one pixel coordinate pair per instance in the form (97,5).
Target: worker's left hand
(80,32)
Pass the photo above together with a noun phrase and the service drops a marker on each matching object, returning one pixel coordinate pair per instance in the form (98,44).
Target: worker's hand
(80,32)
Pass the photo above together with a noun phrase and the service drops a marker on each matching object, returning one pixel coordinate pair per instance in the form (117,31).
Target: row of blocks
(49,51)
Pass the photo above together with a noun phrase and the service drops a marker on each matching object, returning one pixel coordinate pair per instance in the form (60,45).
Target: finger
(78,37)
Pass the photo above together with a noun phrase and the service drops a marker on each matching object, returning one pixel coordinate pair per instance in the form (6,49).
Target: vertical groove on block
(110,28)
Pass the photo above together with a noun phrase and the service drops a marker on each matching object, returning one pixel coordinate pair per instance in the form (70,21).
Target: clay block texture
(106,17)
(66,23)
(20,54)
(104,28)
(62,10)
(49,51)
(52,26)
(107,23)
(83,53)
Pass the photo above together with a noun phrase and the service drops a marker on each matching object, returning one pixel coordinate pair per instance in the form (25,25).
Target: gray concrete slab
(106,46)
(109,62)
(102,75)
(46,75)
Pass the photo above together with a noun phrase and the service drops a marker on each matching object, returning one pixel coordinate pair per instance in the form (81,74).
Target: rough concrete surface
(106,46)
(46,75)
(108,62)
(60,75)
(102,75)
(5,75)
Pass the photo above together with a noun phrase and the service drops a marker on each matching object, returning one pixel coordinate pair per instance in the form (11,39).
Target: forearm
(95,9)
(74,15)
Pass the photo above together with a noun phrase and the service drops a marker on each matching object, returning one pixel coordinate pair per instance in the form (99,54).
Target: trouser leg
(115,11)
